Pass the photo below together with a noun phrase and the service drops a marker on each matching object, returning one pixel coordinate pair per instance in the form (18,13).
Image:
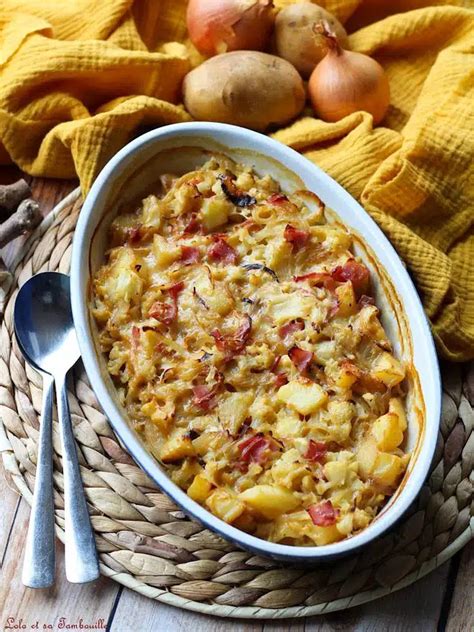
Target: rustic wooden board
(9,504)
(91,602)
(158,616)
(461,612)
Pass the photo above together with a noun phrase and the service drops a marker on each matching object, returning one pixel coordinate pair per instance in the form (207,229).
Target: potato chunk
(366,456)
(151,211)
(127,284)
(303,396)
(209,440)
(368,324)
(388,429)
(396,407)
(346,524)
(325,351)
(215,297)
(277,254)
(340,415)
(387,432)
(388,370)
(335,472)
(122,282)
(290,306)
(225,505)
(326,535)
(287,426)
(215,212)
(234,410)
(200,488)
(164,252)
(270,500)
(176,448)
(387,468)
(346,300)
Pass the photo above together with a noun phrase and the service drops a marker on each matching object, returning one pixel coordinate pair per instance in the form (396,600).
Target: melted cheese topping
(244,344)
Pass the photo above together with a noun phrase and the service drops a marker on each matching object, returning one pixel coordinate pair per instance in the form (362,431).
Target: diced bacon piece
(253,449)
(243,332)
(291,327)
(193,226)
(323,514)
(204,397)
(280,379)
(277,199)
(161,349)
(163,312)
(190,254)
(135,338)
(219,339)
(134,234)
(233,345)
(249,223)
(316,451)
(300,358)
(296,237)
(175,289)
(320,279)
(221,251)
(275,364)
(166,313)
(240,466)
(355,272)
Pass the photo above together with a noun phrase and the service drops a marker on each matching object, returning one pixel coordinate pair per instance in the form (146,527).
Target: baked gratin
(244,342)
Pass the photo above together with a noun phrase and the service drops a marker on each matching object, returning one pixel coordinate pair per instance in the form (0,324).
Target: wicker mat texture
(148,544)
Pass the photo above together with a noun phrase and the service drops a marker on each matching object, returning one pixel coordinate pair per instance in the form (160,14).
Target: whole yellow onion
(219,26)
(345,82)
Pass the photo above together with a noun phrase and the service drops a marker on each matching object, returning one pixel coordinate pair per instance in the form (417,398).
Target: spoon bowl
(43,322)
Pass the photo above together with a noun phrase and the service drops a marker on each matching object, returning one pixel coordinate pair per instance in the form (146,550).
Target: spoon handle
(39,559)
(82,564)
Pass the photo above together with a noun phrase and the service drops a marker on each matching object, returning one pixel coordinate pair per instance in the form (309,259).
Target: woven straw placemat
(148,544)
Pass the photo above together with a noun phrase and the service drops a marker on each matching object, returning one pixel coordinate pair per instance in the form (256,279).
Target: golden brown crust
(243,341)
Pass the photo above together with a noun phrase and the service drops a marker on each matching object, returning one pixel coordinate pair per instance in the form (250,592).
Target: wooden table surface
(441,601)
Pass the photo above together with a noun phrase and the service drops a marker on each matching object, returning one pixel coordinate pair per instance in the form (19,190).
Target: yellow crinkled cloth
(79,78)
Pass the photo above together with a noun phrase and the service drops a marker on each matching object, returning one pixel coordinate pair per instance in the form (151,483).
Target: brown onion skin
(346,82)
(218,26)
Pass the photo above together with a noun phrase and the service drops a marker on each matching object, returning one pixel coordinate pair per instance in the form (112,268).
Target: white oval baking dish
(130,174)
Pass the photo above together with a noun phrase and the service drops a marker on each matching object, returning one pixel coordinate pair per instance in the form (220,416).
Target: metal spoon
(45,331)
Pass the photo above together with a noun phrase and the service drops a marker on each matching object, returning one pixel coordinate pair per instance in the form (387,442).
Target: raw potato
(295,39)
(245,88)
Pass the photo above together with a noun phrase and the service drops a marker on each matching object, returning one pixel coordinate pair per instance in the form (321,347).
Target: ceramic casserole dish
(130,175)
